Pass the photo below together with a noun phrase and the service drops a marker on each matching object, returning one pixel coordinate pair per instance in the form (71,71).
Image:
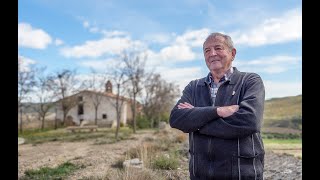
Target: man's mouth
(215,60)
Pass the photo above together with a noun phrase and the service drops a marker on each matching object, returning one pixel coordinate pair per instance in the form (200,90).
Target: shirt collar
(225,77)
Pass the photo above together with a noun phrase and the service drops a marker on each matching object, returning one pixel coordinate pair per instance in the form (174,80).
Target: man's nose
(213,52)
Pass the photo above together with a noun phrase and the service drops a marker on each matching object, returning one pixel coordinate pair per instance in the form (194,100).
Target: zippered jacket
(223,148)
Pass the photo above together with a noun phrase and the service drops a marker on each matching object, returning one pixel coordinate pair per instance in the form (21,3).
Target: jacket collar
(232,80)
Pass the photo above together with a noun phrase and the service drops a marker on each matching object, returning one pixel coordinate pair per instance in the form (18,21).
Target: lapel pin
(233,93)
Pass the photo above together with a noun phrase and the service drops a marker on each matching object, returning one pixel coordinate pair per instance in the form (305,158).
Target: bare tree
(64,85)
(159,98)
(119,78)
(26,81)
(149,100)
(95,83)
(135,71)
(44,95)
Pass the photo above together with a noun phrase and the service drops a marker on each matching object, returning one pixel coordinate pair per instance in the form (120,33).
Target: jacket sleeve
(190,120)
(247,119)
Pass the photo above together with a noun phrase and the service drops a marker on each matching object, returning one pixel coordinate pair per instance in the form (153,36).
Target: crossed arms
(226,122)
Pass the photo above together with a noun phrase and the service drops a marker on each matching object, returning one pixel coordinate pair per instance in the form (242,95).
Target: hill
(283,112)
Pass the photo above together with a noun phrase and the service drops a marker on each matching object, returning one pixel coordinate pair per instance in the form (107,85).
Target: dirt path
(96,158)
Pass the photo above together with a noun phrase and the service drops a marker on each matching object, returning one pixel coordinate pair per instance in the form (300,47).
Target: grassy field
(284,146)
(104,135)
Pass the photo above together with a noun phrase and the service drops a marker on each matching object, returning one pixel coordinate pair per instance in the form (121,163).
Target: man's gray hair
(227,38)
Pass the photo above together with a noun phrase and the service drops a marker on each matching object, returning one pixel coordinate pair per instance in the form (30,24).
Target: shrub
(165,162)
(143,122)
(121,124)
(52,173)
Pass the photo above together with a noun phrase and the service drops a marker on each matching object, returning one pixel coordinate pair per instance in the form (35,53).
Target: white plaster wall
(105,107)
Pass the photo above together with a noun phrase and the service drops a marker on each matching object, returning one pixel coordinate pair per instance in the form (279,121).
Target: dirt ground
(96,158)
(99,158)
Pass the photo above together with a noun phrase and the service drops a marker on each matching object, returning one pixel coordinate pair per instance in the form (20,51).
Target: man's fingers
(185,105)
(234,107)
(189,104)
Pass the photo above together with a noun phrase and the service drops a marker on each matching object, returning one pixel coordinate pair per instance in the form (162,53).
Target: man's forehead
(218,40)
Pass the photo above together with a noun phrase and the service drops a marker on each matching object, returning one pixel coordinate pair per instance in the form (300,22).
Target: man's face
(217,54)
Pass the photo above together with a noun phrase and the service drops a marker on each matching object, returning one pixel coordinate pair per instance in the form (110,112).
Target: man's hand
(226,111)
(185,105)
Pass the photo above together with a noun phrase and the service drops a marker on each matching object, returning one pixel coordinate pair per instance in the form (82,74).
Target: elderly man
(222,113)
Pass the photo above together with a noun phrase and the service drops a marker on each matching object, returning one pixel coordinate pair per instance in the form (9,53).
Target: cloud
(180,76)
(94,29)
(107,34)
(283,29)
(183,53)
(159,38)
(193,38)
(105,64)
(282,89)
(85,24)
(32,38)
(180,50)
(114,33)
(105,46)
(269,64)
(25,63)
(58,42)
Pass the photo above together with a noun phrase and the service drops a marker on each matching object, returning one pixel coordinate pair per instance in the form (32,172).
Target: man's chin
(215,68)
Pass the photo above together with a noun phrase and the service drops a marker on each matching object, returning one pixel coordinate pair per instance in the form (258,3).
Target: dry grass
(161,157)
(134,174)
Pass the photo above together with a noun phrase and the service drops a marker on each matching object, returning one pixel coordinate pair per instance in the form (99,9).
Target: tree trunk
(118,127)
(96,116)
(152,123)
(118,111)
(56,120)
(42,123)
(134,113)
(158,122)
(64,118)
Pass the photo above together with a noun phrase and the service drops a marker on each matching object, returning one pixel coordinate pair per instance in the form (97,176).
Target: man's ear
(234,52)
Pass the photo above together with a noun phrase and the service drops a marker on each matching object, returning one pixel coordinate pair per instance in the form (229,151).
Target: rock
(20,140)
(162,125)
(133,163)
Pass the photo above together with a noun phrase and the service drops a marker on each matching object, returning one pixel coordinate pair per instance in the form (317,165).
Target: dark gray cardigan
(224,148)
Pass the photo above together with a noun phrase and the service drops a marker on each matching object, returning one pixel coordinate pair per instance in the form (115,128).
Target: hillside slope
(283,112)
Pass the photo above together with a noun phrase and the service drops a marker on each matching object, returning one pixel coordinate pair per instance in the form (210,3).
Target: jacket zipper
(210,140)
